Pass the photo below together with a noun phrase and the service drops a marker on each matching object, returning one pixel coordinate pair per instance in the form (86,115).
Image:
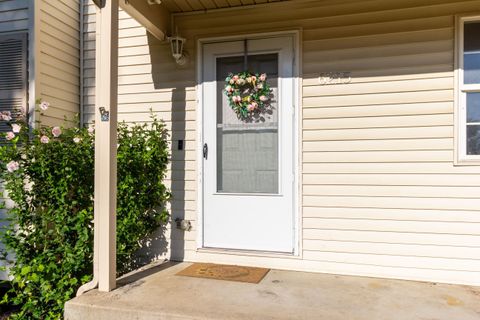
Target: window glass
(471,54)
(473,139)
(247,150)
(473,107)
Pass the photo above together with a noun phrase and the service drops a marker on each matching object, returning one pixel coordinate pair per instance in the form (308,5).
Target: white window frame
(461,90)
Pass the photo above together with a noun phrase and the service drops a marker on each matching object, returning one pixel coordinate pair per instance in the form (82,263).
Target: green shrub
(48,174)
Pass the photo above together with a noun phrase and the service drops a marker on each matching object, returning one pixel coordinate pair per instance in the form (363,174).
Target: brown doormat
(224,272)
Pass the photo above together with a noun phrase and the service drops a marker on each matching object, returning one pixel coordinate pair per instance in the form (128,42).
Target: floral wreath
(248,93)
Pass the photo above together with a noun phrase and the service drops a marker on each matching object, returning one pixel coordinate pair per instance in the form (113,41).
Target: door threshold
(244,252)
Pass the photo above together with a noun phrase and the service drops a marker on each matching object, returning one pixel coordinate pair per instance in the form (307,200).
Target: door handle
(205,151)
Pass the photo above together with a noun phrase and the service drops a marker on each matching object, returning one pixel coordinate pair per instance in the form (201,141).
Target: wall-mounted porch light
(176,44)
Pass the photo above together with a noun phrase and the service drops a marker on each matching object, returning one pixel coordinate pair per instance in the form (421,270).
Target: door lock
(205,151)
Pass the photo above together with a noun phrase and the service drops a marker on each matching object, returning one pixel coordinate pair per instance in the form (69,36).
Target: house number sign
(330,78)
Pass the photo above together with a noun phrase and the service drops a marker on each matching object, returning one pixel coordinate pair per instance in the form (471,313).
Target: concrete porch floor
(157,293)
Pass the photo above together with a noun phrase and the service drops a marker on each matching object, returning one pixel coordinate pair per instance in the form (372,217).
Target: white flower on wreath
(237,99)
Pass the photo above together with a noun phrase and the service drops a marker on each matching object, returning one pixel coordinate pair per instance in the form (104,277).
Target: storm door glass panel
(471,53)
(247,150)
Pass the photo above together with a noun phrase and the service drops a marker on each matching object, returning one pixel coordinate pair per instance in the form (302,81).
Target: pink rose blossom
(229,89)
(16,128)
(44,139)
(10,135)
(56,131)
(44,105)
(263,77)
(6,115)
(12,166)
(235,78)
(255,105)
(263,98)
(91,130)
(250,107)
(76,140)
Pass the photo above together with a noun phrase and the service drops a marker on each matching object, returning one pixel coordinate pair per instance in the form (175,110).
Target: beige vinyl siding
(58,58)
(380,193)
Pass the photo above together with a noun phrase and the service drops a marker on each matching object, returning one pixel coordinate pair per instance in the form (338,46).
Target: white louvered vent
(13,75)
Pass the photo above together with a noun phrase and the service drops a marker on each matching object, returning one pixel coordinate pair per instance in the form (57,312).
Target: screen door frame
(297,125)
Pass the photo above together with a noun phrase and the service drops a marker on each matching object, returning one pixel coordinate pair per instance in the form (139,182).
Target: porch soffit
(178,6)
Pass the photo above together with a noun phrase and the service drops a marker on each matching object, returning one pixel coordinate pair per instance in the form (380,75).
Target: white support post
(106,144)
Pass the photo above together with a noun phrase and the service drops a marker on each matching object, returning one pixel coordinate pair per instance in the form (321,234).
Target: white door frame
(297,127)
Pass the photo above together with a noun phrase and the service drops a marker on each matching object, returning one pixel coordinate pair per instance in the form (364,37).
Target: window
(13,75)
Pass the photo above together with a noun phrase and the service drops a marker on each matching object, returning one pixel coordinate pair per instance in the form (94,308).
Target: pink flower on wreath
(12,166)
(91,130)
(44,139)
(237,99)
(250,107)
(16,128)
(263,98)
(56,131)
(10,135)
(44,105)
(6,115)
(229,89)
(235,78)
(263,77)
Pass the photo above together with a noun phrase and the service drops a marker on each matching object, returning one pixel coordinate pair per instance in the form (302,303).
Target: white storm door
(248,169)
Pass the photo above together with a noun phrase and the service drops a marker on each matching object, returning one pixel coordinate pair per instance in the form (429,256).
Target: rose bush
(47,174)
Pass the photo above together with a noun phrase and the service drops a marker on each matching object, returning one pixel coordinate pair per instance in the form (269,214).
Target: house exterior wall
(380,193)
(14,16)
(57,58)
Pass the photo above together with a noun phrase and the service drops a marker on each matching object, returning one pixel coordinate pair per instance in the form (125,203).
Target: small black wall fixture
(100,3)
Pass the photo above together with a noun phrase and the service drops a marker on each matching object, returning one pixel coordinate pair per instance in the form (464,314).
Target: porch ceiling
(176,6)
